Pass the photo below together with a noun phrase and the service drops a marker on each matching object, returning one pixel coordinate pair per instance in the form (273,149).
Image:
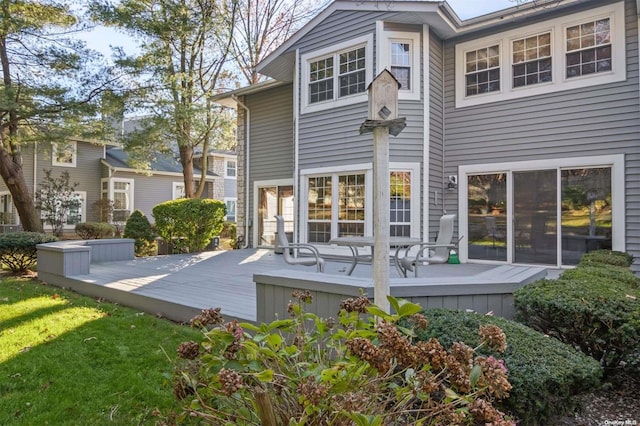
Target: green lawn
(69,359)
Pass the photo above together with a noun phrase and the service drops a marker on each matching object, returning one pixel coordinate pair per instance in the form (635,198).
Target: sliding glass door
(274,200)
(546,216)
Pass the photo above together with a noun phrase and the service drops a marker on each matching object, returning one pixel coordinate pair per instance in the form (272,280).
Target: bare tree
(263,25)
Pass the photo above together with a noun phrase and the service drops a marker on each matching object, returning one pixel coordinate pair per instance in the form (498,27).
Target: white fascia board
(151,172)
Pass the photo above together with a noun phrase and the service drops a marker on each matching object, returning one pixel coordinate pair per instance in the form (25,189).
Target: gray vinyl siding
(149,190)
(86,173)
(436,134)
(592,121)
(231,188)
(271,146)
(331,137)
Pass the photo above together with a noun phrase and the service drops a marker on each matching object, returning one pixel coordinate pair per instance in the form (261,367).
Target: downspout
(247,162)
(296,150)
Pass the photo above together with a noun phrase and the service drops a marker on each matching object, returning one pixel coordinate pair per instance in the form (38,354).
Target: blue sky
(101,38)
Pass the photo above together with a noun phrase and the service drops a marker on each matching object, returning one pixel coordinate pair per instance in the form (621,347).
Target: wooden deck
(180,286)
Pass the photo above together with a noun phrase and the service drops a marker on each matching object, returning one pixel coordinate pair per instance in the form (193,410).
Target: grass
(67,359)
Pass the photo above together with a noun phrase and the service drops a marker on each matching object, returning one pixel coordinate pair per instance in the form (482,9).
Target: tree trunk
(186,159)
(11,171)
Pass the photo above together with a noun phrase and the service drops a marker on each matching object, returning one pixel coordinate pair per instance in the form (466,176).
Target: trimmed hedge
(594,307)
(18,249)
(189,224)
(139,228)
(95,230)
(544,372)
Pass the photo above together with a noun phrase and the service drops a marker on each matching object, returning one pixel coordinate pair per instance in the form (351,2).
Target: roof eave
(229,99)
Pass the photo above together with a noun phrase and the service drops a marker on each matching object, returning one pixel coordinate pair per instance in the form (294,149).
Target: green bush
(607,257)
(599,316)
(360,369)
(95,230)
(139,228)
(593,307)
(189,223)
(544,372)
(18,249)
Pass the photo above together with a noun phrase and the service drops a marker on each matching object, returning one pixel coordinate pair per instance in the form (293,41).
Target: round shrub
(95,230)
(139,228)
(544,372)
(593,307)
(18,249)
(607,257)
(189,223)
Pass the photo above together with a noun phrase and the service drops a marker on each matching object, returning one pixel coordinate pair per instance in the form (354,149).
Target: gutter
(247,163)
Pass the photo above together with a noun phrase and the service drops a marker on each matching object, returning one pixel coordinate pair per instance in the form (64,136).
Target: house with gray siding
(525,123)
(105,172)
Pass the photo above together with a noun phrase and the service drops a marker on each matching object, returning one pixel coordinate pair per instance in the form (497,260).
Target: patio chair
(286,246)
(428,252)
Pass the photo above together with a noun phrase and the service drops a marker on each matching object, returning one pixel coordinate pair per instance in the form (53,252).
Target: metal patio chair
(287,248)
(428,252)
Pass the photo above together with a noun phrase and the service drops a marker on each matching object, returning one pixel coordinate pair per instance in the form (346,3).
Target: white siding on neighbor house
(592,121)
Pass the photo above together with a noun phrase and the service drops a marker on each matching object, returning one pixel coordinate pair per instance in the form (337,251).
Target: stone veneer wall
(241,210)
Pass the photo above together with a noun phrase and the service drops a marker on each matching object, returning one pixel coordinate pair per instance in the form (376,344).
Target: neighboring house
(103,171)
(132,189)
(524,122)
(77,157)
(224,166)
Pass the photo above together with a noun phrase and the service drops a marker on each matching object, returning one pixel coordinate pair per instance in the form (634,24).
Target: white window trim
(414,168)
(367,169)
(83,210)
(256,188)
(54,150)
(174,190)
(225,199)
(384,59)
(131,191)
(616,162)
(306,107)
(12,209)
(226,168)
(557,27)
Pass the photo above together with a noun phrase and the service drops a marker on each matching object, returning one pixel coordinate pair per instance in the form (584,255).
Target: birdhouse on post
(383,105)
(383,120)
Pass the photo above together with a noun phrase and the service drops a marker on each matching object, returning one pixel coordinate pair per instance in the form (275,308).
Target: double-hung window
(482,70)
(399,52)
(120,192)
(230,169)
(574,51)
(64,154)
(337,76)
(531,59)
(589,48)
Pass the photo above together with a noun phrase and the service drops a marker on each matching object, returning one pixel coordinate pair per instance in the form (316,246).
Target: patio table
(368,241)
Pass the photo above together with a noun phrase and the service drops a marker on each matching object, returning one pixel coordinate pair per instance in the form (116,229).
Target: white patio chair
(286,246)
(437,252)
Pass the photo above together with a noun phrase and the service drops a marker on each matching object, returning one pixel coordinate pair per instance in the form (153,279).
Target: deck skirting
(489,291)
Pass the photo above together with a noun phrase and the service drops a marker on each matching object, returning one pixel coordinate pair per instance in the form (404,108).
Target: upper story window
(482,70)
(399,52)
(589,48)
(230,169)
(401,63)
(569,52)
(336,76)
(64,154)
(531,59)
